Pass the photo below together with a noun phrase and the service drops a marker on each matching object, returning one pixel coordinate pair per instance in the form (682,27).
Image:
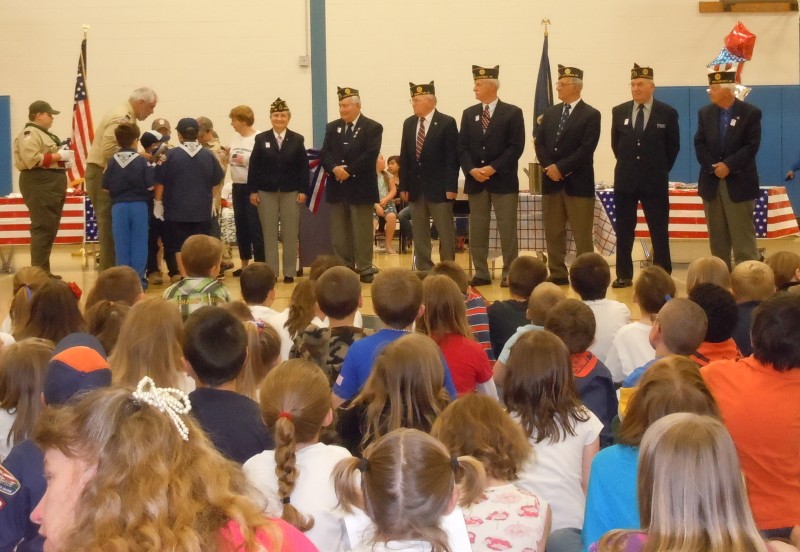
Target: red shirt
(467,362)
(761,409)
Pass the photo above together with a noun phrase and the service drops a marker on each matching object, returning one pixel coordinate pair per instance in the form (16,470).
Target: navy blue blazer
(436,171)
(500,146)
(737,150)
(279,170)
(644,162)
(573,150)
(360,158)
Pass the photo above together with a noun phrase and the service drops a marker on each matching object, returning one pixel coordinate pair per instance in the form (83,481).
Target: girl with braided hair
(295,478)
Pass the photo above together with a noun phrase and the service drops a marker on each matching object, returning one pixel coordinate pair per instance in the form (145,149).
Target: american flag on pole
(316,186)
(82,128)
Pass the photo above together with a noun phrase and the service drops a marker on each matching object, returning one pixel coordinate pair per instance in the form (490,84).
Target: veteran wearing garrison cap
(565,144)
(490,142)
(278,179)
(726,143)
(42,162)
(349,153)
(429,174)
(645,141)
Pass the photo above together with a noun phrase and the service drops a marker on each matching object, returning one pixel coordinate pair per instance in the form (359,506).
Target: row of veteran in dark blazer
(487,148)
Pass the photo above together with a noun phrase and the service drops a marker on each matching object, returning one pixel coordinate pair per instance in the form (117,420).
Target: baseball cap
(78,364)
(151,137)
(158,124)
(40,106)
(187,123)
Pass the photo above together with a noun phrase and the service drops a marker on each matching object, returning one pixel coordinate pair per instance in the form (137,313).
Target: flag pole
(545,23)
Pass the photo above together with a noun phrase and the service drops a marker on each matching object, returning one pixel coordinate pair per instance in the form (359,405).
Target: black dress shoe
(366,278)
(480,281)
(288,279)
(622,283)
(504,282)
(558,281)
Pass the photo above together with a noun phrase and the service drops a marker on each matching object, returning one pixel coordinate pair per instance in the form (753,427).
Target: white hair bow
(173,402)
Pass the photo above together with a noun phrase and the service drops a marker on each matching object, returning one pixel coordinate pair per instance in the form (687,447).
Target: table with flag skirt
(530,229)
(77,226)
(773,215)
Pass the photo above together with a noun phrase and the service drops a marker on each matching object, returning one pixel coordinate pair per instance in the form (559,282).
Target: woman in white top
(295,478)
(540,392)
(248,227)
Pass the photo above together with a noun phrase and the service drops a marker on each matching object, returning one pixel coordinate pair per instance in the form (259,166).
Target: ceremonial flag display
(316,187)
(82,128)
(543,97)
(15,221)
(773,216)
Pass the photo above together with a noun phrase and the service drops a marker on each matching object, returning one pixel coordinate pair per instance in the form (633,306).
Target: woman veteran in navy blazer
(278,181)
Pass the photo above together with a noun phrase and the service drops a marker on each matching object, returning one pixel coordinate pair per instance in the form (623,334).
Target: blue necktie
(563,121)
(638,127)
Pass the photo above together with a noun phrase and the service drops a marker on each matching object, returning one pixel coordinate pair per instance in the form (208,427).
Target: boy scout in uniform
(42,179)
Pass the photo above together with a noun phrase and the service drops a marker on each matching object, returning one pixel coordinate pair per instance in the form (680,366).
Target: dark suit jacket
(501,147)
(573,152)
(360,159)
(738,151)
(644,162)
(436,171)
(278,170)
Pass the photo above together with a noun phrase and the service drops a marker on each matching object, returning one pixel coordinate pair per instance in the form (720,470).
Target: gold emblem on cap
(482,72)
(419,89)
(346,90)
(717,77)
(567,71)
(645,71)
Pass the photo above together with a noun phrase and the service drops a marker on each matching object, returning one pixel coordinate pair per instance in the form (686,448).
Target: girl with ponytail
(295,478)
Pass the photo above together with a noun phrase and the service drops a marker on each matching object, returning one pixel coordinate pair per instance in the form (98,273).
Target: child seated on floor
(338,293)
(478,426)
(752,282)
(573,321)
(397,300)
(257,285)
(543,298)
(786,266)
(678,329)
(317,269)
(215,350)
(474,302)
(630,347)
(720,308)
(707,270)
(294,476)
(120,284)
(445,322)
(524,274)
(589,277)
(201,256)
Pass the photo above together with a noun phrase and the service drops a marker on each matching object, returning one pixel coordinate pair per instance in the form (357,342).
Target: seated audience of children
(708,270)
(104,321)
(720,308)
(201,257)
(786,267)
(751,283)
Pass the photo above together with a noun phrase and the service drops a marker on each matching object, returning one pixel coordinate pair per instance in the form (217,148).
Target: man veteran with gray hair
(726,143)
(645,141)
(490,142)
(349,153)
(429,174)
(565,144)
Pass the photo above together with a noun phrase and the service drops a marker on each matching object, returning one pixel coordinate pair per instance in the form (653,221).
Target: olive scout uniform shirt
(43,184)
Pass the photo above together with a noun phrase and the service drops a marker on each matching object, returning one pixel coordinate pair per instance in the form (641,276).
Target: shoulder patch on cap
(9,485)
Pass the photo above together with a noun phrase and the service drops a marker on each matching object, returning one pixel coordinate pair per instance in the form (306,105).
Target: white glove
(67,155)
(158,209)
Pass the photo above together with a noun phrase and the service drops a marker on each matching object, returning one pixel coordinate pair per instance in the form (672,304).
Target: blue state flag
(543,98)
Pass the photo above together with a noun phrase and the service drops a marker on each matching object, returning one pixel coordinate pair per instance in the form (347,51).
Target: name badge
(661,125)
(477,118)
(268,145)
(733,122)
(626,122)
